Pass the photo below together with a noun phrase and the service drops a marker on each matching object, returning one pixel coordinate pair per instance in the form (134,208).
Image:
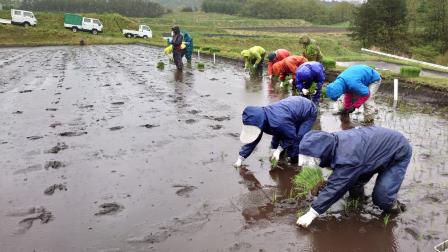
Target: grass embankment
(50,31)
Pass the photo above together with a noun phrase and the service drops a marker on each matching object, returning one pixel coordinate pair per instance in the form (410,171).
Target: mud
(126,177)
(51,189)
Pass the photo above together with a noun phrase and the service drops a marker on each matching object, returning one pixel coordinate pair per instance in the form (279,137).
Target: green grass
(329,63)
(307,181)
(50,31)
(410,71)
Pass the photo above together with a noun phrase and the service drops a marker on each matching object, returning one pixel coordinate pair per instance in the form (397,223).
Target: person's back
(359,74)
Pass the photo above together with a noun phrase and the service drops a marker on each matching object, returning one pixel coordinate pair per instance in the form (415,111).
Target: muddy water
(139,159)
(386,66)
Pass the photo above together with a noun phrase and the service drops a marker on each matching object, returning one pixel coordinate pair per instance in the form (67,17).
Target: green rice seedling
(410,71)
(200,65)
(309,180)
(274,163)
(328,63)
(386,219)
(160,65)
(352,205)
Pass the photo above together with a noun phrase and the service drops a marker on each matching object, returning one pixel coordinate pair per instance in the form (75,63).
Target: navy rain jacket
(310,72)
(287,121)
(359,152)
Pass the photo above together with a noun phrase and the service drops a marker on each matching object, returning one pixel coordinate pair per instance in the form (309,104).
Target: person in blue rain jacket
(355,156)
(287,121)
(306,75)
(189,43)
(358,84)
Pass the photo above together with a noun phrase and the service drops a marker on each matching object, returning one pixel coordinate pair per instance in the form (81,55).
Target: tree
(382,23)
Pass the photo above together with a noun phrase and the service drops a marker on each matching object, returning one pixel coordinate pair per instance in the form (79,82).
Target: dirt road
(100,151)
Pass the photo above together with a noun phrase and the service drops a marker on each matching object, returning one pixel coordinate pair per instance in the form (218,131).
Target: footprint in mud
(190,121)
(51,189)
(51,109)
(35,213)
(234,135)
(34,137)
(116,128)
(31,168)
(86,106)
(4,142)
(184,190)
(18,112)
(149,126)
(193,111)
(54,125)
(54,164)
(216,127)
(218,118)
(26,91)
(109,208)
(58,93)
(213,79)
(72,133)
(117,103)
(59,147)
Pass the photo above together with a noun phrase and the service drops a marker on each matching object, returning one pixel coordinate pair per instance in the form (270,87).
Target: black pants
(177,56)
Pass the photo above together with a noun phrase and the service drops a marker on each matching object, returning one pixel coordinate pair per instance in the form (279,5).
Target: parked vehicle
(20,17)
(143,32)
(79,23)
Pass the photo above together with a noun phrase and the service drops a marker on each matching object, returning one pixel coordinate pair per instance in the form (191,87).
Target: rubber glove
(276,153)
(306,219)
(239,162)
(305,91)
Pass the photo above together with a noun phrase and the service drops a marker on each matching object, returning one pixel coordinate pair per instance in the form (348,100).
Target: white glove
(281,84)
(238,162)
(276,153)
(291,81)
(255,66)
(270,76)
(306,219)
(305,91)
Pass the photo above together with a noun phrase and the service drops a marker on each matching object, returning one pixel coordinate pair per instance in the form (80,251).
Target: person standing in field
(253,57)
(288,66)
(358,84)
(311,49)
(275,57)
(188,40)
(177,47)
(287,121)
(355,156)
(307,74)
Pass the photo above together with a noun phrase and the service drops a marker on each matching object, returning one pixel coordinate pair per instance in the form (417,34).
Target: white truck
(20,17)
(76,23)
(143,32)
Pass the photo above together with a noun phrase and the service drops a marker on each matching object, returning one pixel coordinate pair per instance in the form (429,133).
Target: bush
(410,71)
(187,9)
(328,63)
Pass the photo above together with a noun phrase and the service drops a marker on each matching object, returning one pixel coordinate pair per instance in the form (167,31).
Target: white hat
(249,134)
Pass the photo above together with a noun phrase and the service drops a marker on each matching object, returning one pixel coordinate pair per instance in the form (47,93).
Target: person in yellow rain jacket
(253,57)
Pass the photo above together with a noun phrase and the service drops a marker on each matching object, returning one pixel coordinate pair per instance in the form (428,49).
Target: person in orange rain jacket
(288,66)
(275,57)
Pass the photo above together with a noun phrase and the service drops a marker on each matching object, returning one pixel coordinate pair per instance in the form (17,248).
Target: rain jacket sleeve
(270,66)
(247,149)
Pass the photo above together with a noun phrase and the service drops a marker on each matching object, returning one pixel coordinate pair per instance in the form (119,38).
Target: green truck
(77,23)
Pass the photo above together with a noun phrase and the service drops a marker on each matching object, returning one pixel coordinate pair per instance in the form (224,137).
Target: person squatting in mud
(275,57)
(178,51)
(358,84)
(254,57)
(355,156)
(307,74)
(287,121)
